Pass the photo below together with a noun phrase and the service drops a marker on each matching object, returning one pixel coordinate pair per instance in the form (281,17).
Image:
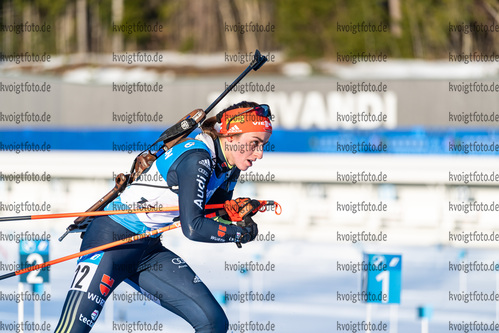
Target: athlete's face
(244,149)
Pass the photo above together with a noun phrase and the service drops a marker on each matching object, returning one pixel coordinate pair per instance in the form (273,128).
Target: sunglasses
(262,110)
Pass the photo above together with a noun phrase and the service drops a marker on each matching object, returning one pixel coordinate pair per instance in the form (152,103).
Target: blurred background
(69,78)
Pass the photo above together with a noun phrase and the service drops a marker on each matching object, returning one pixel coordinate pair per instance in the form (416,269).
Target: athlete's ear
(234,137)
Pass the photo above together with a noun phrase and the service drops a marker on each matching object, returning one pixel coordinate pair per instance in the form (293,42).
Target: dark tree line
(301,28)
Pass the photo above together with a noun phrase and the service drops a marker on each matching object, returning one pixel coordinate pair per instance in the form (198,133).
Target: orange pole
(92,250)
(99,213)
(118,242)
(117,212)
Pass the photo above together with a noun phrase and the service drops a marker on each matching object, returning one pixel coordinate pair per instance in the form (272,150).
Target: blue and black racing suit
(199,173)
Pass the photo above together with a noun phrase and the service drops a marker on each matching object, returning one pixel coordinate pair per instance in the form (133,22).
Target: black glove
(249,230)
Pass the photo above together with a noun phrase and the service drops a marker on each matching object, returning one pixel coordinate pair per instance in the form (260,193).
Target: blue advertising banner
(401,141)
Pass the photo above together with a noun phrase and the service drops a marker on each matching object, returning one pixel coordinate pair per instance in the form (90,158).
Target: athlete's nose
(259,152)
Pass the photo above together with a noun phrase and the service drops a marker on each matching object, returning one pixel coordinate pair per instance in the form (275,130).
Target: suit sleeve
(193,177)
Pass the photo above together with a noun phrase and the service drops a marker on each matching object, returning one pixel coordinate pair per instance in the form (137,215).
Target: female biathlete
(190,174)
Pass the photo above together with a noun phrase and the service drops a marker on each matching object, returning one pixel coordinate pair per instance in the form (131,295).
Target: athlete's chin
(245,166)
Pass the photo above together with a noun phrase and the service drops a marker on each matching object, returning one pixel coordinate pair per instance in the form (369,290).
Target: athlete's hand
(249,230)
(239,208)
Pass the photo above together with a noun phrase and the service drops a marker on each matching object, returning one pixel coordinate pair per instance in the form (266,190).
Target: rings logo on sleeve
(180,262)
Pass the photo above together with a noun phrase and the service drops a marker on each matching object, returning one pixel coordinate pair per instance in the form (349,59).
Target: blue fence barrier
(401,141)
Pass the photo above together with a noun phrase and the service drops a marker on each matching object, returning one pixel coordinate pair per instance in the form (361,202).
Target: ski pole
(92,250)
(98,213)
(115,212)
(116,243)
